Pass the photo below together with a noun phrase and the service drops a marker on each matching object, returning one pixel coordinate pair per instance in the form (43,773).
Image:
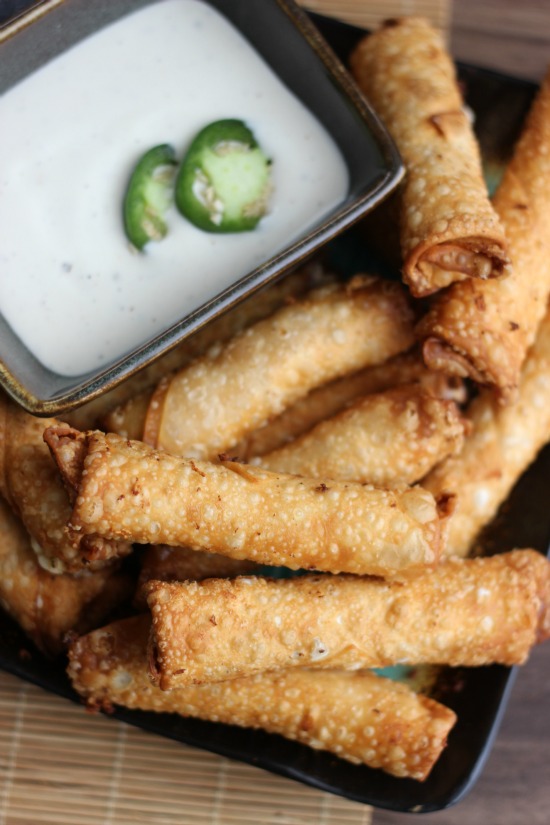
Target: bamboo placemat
(369,13)
(61,766)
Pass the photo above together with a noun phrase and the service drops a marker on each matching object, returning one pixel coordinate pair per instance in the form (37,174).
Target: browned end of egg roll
(360,716)
(48,606)
(483,330)
(501,443)
(29,481)
(449,230)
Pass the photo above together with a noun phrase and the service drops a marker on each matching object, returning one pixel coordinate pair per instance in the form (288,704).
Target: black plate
(477,695)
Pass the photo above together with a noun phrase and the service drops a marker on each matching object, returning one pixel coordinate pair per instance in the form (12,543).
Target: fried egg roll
(385,439)
(233,389)
(128,419)
(173,564)
(360,717)
(332,398)
(126,490)
(465,612)
(483,329)
(30,482)
(448,229)
(47,606)
(501,444)
(322,402)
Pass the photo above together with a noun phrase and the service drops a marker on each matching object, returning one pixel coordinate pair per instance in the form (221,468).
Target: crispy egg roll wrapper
(501,444)
(47,606)
(172,564)
(385,439)
(233,389)
(329,399)
(30,482)
(484,329)
(128,419)
(323,402)
(126,490)
(465,612)
(360,717)
(449,230)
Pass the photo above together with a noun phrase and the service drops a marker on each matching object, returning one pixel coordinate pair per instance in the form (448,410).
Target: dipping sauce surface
(72,288)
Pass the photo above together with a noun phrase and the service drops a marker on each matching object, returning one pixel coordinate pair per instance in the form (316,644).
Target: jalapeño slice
(224,181)
(148,196)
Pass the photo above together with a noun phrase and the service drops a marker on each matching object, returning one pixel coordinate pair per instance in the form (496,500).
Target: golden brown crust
(30,483)
(69,450)
(483,329)
(501,444)
(332,398)
(172,564)
(233,389)
(449,230)
(154,413)
(357,716)
(130,491)
(47,606)
(466,612)
(128,419)
(386,439)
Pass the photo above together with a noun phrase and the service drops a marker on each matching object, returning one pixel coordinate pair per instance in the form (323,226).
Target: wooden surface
(510,35)
(369,13)
(59,766)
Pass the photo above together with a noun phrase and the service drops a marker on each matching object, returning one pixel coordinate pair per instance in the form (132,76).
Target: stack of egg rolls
(357,716)
(483,329)
(316,439)
(210,405)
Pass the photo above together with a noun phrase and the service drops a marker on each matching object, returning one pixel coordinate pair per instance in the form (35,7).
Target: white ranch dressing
(71,287)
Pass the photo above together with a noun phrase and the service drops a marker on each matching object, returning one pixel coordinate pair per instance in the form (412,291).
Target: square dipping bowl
(88,310)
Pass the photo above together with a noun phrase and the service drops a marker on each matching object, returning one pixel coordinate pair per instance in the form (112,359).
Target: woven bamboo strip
(61,766)
(369,13)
